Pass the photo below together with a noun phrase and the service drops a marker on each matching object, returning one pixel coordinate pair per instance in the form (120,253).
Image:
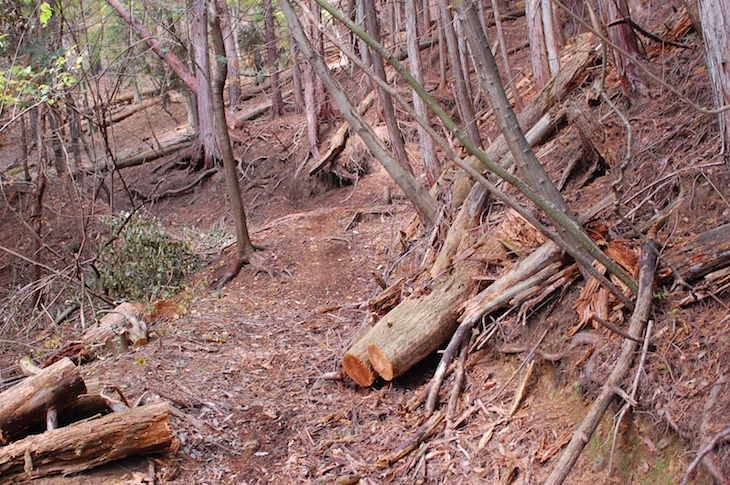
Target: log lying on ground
(126,324)
(171,146)
(88,444)
(581,437)
(24,407)
(417,326)
(704,253)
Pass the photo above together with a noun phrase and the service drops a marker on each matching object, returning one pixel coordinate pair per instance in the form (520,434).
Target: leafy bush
(143,262)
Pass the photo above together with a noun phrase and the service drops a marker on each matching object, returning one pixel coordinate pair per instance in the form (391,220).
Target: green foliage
(46,12)
(144,263)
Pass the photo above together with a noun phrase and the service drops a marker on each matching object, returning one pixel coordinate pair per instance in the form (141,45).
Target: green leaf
(46,13)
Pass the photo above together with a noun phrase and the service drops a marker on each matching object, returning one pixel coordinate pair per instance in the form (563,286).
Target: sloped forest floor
(255,369)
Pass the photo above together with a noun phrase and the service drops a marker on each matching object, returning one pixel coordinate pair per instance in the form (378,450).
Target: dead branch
(720,437)
(411,443)
(647,269)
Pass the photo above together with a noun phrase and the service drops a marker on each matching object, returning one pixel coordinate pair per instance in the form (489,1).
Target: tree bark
(621,33)
(229,41)
(199,41)
(428,154)
(386,102)
(271,56)
(715,19)
(538,48)
(466,108)
(88,444)
(704,253)
(244,247)
(23,407)
(424,203)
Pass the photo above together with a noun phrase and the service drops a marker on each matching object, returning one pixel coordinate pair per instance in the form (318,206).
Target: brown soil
(255,368)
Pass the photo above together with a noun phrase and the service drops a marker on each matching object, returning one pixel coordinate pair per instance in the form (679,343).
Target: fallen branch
(411,443)
(647,269)
(149,155)
(720,437)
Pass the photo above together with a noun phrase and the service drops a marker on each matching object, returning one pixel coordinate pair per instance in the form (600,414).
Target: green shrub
(143,262)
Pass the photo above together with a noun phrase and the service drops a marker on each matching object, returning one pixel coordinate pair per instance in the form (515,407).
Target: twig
(647,269)
(520,392)
(458,381)
(720,437)
(411,443)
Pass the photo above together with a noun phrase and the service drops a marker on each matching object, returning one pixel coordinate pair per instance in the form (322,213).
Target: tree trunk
(466,108)
(199,44)
(311,108)
(570,231)
(538,47)
(271,56)
(428,154)
(296,76)
(620,32)
(229,41)
(88,444)
(715,19)
(244,247)
(23,407)
(165,54)
(424,203)
(386,102)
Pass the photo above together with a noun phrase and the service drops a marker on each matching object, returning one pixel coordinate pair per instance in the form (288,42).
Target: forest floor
(254,369)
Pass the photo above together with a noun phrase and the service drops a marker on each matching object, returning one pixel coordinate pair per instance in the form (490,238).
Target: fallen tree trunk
(88,444)
(259,110)
(581,436)
(24,407)
(704,253)
(418,325)
(147,156)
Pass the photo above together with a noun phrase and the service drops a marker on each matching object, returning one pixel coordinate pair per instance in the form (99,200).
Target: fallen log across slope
(88,444)
(24,407)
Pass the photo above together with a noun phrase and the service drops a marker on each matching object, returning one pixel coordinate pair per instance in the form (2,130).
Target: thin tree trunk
(466,108)
(503,51)
(310,97)
(276,101)
(386,102)
(551,38)
(229,41)
(424,203)
(165,54)
(296,76)
(530,168)
(430,164)
(715,19)
(244,247)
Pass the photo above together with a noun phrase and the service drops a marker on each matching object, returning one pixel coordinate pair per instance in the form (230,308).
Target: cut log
(701,255)
(417,326)
(126,324)
(88,444)
(23,408)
